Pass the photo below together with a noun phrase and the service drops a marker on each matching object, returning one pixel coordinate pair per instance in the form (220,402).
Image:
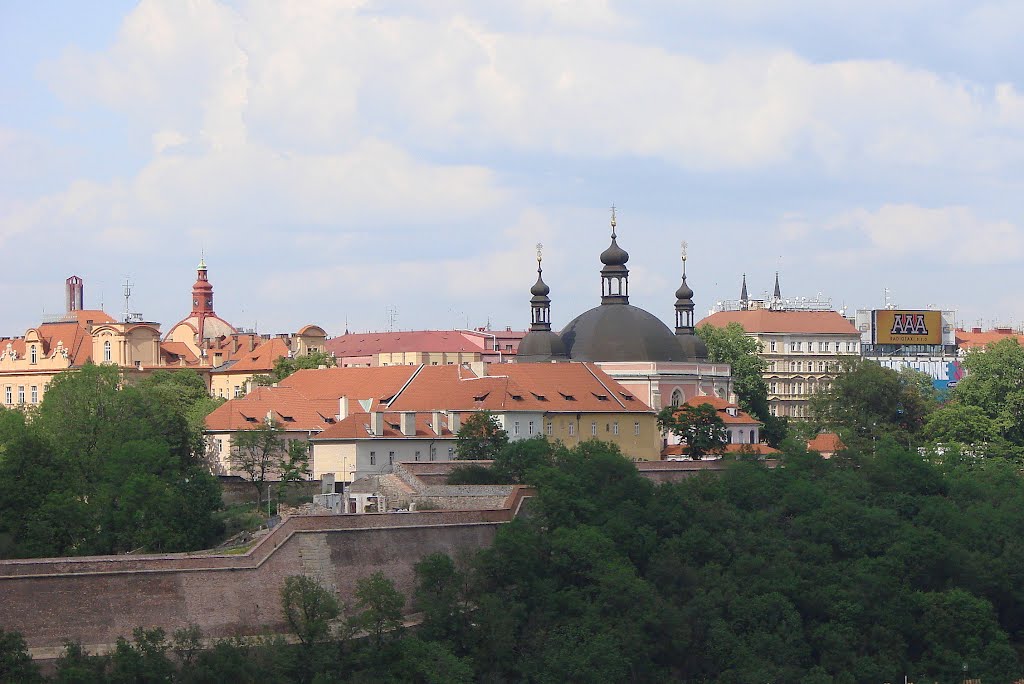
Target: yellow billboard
(908,327)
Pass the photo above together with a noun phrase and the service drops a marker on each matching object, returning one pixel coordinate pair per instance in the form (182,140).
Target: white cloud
(940,235)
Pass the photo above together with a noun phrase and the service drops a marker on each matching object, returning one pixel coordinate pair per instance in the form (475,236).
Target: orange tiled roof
(179,349)
(972,339)
(767,321)
(357,426)
(367,344)
(721,406)
(259,360)
(311,397)
(826,442)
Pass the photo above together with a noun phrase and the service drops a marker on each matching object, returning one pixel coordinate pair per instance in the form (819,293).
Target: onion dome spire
(684,301)
(540,304)
(614,275)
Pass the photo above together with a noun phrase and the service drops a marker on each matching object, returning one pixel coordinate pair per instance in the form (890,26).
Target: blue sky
(335,159)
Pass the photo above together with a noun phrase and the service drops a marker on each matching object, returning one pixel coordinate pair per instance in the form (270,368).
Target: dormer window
(34,354)
(567,397)
(600,397)
(481,397)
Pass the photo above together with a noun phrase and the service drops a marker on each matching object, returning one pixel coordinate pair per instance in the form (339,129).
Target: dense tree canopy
(699,427)
(107,466)
(480,438)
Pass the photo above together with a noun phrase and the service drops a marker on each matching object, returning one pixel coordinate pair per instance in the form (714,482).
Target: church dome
(540,346)
(614,255)
(620,332)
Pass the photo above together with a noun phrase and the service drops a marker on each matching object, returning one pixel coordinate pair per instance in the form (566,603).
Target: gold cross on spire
(613,220)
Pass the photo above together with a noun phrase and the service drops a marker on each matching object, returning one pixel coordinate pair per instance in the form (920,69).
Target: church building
(659,365)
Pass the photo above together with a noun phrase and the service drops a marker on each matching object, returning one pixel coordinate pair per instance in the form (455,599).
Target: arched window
(677,397)
(752,441)
(106,352)
(35,354)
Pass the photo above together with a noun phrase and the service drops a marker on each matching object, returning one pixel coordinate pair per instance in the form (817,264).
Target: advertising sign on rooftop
(907,327)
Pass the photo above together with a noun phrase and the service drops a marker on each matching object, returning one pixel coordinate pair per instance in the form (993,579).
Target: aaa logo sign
(908,327)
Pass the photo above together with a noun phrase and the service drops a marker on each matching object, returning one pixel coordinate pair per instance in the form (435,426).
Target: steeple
(614,275)
(684,302)
(540,304)
(743,293)
(778,292)
(202,298)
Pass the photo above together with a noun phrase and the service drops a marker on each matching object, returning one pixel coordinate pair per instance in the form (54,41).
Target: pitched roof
(311,397)
(179,349)
(768,321)
(259,360)
(357,426)
(367,344)
(971,339)
(826,442)
(683,449)
(722,407)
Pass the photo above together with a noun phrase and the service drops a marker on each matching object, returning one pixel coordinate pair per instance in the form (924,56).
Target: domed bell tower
(540,304)
(614,274)
(684,302)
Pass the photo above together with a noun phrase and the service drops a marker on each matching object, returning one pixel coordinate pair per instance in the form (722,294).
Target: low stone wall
(237,490)
(97,599)
(673,471)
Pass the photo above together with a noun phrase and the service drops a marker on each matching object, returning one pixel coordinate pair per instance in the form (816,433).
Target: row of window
(33,394)
(796,387)
(798,366)
(417,456)
(823,346)
(612,428)
(799,411)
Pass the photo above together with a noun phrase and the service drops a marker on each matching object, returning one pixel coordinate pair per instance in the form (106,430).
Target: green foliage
(379,608)
(285,366)
(512,463)
(308,609)
(866,401)
(107,468)
(733,346)
(15,662)
(699,426)
(480,438)
(474,474)
(439,595)
(264,452)
(995,385)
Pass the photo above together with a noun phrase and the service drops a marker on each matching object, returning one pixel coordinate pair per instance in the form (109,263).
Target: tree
(15,662)
(294,466)
(258,454)
(733,346)
(438,595)
(380,608)
(995,384)
(866,401)
(286,365)
(480,438)
(308,609)
(699,426)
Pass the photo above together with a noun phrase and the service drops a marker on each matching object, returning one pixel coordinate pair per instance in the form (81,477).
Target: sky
(374,164)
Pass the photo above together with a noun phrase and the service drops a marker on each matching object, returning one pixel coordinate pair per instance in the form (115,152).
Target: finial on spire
(540,254)
(613,220)
(682,248)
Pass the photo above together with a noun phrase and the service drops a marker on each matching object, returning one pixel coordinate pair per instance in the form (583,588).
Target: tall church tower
(202,297)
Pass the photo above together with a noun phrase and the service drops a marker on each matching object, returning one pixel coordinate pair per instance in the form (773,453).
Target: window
(8,395)
(515,428)
(825,346)
(238,391)
(433,452)
(593,428)
(35,394)
(34,354)
(615,428)
(21,394)
(772,346)
(417,457)
(451,453)
(373,458)
(391,457)
(529,428)
(753,440)
(551,427)
(774,388)
(636,428)
(677,397)
(106,352)
(572,428)
(771,366)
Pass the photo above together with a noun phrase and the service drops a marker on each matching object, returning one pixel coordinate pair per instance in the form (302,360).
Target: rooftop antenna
(128,315)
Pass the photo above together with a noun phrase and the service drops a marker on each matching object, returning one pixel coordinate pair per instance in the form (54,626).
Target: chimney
(73,294)
(435,422)
(453,422)
(342,408)
(408,423)
(479,367)
(376,423)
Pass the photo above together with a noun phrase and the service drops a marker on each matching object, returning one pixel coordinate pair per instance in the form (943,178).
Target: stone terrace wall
(96,599)
(673,471)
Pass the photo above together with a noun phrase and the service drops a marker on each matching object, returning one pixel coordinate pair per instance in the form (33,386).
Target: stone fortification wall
(96,599)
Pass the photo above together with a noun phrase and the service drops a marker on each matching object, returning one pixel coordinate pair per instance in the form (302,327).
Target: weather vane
(540,251)
(682,248)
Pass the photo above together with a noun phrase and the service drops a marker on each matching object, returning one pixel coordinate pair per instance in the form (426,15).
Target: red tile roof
(259,360)
(180,350)
(367,344)
(722,407)
(357,426)
(972,339)
(826,443)
(311,397)
(767,321)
